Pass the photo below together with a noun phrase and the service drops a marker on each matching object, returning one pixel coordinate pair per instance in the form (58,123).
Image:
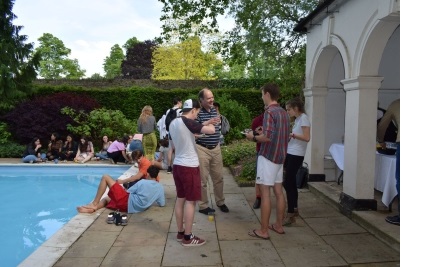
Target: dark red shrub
(42,116)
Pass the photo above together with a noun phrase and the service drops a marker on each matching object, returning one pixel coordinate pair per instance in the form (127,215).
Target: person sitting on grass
(137,198)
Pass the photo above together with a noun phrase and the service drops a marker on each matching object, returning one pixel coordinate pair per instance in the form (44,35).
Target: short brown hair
(136,154)
(272,89)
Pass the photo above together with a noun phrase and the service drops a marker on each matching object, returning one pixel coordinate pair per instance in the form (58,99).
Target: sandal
(124,220)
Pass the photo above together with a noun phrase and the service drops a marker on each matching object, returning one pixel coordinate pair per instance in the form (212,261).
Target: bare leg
(265,210)
(179,213)
(280,206)
(170,151)
(257,188)
(189,215)
(158,164)
(97,203)
(87,158)
(86,209)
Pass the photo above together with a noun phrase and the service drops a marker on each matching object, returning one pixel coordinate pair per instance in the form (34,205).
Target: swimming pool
(39,200)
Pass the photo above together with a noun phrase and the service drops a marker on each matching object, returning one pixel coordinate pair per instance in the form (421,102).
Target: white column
(315,107)
(360,136)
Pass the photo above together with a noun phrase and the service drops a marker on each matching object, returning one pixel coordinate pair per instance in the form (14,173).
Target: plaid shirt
(276,128)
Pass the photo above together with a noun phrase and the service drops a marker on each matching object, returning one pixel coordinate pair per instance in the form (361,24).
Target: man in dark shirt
(209,153)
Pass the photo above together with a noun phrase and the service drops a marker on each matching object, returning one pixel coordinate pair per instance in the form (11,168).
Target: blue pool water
(37,201)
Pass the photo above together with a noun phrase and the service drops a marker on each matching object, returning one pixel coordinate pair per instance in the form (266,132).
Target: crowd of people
(189,148)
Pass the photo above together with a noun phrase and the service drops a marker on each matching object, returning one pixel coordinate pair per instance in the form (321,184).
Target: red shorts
(187,182)
(119,198)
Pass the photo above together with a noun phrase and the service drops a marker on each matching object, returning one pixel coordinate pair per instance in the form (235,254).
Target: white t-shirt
(297,147)
(182,132)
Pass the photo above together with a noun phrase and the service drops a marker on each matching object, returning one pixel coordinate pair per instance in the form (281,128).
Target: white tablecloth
(337,153)
(384,180)
(385,177)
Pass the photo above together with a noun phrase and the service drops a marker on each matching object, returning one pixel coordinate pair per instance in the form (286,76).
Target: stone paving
(322,237)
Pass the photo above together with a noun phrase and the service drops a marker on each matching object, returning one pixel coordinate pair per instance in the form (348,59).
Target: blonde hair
(145,113)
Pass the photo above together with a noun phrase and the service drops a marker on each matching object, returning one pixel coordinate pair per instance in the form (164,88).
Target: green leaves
(17,66)
(112,64)
(99,122)
(55,63)
(184,61)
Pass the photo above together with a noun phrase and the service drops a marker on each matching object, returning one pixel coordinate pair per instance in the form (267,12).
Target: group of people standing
(280,153)
(194,139)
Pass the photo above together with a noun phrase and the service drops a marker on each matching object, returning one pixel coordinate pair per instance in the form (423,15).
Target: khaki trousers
(211,164)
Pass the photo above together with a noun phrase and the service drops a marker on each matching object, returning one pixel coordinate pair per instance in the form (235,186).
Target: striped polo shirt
(210,139)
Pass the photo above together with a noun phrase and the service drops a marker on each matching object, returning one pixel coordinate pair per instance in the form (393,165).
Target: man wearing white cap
(185,169)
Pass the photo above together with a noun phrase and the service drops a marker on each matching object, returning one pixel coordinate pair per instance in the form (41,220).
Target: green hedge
(131,100)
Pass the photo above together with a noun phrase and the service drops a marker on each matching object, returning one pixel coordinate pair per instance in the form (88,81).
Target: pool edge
(47,254)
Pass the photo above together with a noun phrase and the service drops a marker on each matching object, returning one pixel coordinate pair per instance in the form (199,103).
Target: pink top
(116,146)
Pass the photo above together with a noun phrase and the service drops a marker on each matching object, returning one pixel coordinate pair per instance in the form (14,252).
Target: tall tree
(131,43)
(55,63)
(184,61)
(18,68)
(112,64)
(138,64)
(263,27)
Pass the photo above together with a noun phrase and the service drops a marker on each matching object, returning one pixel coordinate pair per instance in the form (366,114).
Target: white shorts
(268,173)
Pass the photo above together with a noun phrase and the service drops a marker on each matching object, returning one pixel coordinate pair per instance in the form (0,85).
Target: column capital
(362,83)
(316,91)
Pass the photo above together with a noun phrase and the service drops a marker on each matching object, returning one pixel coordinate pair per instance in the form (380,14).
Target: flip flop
(254,234)
(271,227)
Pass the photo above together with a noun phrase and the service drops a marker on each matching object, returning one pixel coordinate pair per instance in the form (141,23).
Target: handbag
(302,176)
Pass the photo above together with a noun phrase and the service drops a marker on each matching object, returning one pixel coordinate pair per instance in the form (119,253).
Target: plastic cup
(211,216)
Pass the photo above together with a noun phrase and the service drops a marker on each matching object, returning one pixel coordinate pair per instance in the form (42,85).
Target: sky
(90,27)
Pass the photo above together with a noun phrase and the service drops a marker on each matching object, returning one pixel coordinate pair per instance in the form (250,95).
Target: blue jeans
(33,158)
(103,155)
(136,145)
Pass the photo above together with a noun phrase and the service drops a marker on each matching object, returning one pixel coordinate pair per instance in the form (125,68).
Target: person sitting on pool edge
(137,198)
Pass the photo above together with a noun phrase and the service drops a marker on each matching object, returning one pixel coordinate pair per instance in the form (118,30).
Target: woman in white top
(299,137)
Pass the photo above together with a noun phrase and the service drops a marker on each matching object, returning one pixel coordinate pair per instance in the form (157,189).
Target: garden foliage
(41,116)
(98,123)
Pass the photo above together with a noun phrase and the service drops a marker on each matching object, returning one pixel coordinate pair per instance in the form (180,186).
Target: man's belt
(207,146)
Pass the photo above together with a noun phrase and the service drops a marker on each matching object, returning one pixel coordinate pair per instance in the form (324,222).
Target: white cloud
(89,28)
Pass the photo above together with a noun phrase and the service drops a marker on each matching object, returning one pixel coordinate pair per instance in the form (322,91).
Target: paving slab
(206,255)
(92,244)
(333,225)
(310,255)
(361,248)
(253,252)
(134,256)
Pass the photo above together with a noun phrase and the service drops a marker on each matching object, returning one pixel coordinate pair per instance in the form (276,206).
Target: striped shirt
(210,139)
(276,128)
